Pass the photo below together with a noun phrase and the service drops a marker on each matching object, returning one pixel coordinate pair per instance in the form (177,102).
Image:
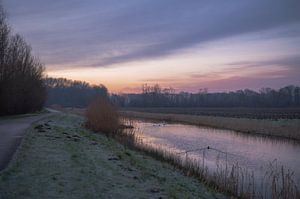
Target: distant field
(251,113)
(287,128)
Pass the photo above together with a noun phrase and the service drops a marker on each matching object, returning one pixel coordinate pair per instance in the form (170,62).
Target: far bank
(285,128)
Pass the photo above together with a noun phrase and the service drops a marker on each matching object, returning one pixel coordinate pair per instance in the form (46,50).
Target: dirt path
(11,133)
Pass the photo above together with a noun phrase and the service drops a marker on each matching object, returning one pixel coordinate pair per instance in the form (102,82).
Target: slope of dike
(59,159)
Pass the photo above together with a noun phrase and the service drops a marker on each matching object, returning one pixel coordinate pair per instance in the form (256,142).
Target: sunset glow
(150,99)
(187,46)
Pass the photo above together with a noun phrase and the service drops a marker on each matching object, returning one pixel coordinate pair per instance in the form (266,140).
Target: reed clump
(102,116)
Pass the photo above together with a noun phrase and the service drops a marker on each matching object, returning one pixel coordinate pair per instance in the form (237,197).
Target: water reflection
(251,152)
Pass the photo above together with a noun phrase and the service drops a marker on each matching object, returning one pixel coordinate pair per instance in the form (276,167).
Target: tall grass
(281,128)
(277,183)
(102,116)
(229,178)
(234,180)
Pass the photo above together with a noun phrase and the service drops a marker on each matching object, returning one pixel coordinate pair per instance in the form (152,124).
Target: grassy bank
(287,128)
(236,112)
(60,159)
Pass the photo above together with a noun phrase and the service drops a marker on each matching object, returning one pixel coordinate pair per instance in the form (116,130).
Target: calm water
(252,152)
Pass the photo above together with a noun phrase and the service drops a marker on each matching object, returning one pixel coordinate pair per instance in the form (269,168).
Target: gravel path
(11,133)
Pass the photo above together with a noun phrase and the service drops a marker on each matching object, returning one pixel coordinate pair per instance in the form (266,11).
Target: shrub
(102,116)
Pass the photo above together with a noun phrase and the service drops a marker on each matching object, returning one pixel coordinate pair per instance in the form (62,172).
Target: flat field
(283,128)
(250,113)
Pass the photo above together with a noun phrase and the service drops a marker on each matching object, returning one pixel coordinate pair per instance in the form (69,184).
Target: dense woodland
(21,74)
(155,96)
(69,93)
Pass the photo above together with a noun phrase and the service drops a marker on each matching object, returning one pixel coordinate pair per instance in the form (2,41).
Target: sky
(187,45)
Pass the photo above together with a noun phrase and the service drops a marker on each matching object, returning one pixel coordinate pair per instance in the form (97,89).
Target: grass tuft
(102,116)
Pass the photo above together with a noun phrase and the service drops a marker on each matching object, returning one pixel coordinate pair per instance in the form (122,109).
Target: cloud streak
(102,33)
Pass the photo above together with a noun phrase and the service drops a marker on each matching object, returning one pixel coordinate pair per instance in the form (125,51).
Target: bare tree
(21,74)
(70,93)
(155,96)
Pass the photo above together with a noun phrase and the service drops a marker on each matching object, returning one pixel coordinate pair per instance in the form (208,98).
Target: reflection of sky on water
(251,152)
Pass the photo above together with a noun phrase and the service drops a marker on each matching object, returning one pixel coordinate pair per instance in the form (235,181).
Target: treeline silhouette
(155,96)
(69,93)
(21,85)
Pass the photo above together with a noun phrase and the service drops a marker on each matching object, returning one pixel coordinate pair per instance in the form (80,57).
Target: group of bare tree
(21,74)
(70,93)
(155,96)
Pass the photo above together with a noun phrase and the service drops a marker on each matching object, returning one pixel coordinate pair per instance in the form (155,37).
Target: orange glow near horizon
(188,45)
(188,71)
(129,80)
(219,66)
